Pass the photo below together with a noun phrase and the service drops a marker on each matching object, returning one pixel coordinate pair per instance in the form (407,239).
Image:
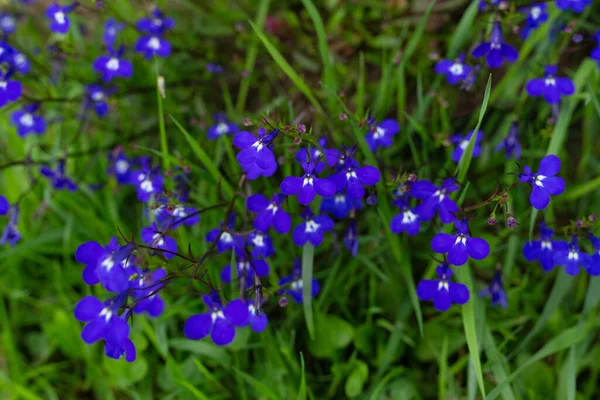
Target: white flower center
(441,194)
(26,120)
(573,255)
(217,314)
(463,144)
(122,166)
(158,239)
(495,45)
(59,17)
(179,211)
(273,207)
(154,43)
(538,180)
(222,128)
(350,174)
(535,12)
(443,285)
(461,239)
(379,133)
(97,96)
(259,145)
(258,240)
(311,226)
(297,284)
(408,217)
(8,22)
(20,59)
(339,199)
(457,69)
(546,244)
(107,263)
(550,81)
(113,64)
(226,237)
(308,180)
(106,313)
(2,84)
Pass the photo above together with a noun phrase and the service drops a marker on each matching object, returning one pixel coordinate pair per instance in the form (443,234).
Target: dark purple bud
(511,222)
(592,218)
(245,74)
(283,302)
(491,220)
(297,141)
(412,177)
(247,122)
(579,224)
(301,129)
(343,117)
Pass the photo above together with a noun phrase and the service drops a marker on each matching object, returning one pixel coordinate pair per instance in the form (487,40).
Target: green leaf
(357,378)
(259,386)
(302,391)
(463,33)
(164,146)
(192,389)
(331,334)
(308,254)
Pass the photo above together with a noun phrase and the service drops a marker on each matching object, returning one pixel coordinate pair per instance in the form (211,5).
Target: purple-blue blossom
(543,182)
(256,158)
(593,260)
(571,258)
(58,178)
(340,205)
(145,290)
(442,291)
(455,71)
(119,167)
(312,229)
(147,180)
(4,205)
(292,285)
(435,199)
(269,213)
(113,66)
(496,50)
(537,14)
(157,238)
(221,127)
(226,240)
(257,319)
(314,154)
(307,186)
(574,5)
(109,265)
(552,88)
(10,234)
(354,178)
(461,245)
(111,30)
(261,244)
(96,96)
(27,120)
(102,320)
(59,20)
(511,144)
(246,269)
(408,220)
(8,24)
(543,250)
(382,134)
(351,238)
(496,291)
(9,90)
(462,142)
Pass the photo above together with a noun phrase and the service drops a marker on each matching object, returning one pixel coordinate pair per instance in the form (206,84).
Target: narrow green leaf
(498,362)
(164,145)
(192,389)
(308,254)
(302,392)
(463,33)
(260,387)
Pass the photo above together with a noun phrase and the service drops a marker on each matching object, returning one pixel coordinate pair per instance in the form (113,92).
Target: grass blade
(308,254)
(464,30)
(164,145)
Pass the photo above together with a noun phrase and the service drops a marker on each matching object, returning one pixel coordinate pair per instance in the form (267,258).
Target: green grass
(327,65)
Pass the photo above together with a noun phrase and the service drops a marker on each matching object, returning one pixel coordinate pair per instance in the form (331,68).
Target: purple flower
(596,52)
(246,269)
(112,66)
(382,134)
(213,68)
(461,143)
(109,265)
(593,260)
(102,319)
(571,258)
(302,155)
(127,349)
(351,238)
(19,62)
(8,24)
(496,291)
(442,291)
(435,199)
(256,158)
(312,229)
(120,167)
(11,233)
(537,14)
(152,46)
(460,246)
(261,243)
(156,238)
(175,215)
(340,205)
(9,90)
(307,186)
(269,213)
(510,144)
(550,87)
(575,5)
(157,24)
(455,71)
(341,159)
(111,30)
(96,96)
(293,284)
(544,249)
(483,4)
(219,322)
(4,205)
(145,289)
(496,49)
(148,182)
(354,178)
(543,182)
(221,127)
(227,241)
(27,121)
(59,21)
(59,180)
(407,221)
(257,319)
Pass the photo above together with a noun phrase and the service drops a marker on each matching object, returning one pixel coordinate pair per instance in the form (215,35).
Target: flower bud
(492,220)
(283,302)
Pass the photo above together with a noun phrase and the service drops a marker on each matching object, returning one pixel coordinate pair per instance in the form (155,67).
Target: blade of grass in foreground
(287,68)
(164,146)
(308,254)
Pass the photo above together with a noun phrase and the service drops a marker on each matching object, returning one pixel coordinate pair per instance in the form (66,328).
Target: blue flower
(157,24)
(156,238)
(442,291)
(461,143)
(221,127)
(551,87)
(152,46)
(382,134)
(59,180)
(102,319)
(537,14)
(111,30)
(596,52)
(227,241)
(269,213)
(576,5)
(354,178)
(112,66)
(435,199)
(256,158)
(219,322)
(312,229)
(496,49)
(148,182)
(302,155)
(340,205)
(246,269)
(544,249)
(257,319)
(351,238)
(455,71)
(4,205)
(593,261)
(120,167)
(127,349)
(483,4)
(96,96)
(307,186)
(496,291)
(293,284)
(261,243)
(8,24)
(19,62)
(571,258)
(145,289)
(543,182)
(109,265)
(59,21)
(510,144)
(173,216)
(11,233)
(407,221)
(9,90)
(27,121)
(460,246)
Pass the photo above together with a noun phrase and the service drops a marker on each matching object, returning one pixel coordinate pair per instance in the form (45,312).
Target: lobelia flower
(407,221)
(483,4)
(435,199)
(257,319)
(543,182)
(177,215)
(219,322)
(246,269)
(102,319)
(5,51)
(442,291)
(119,167)
(596,52)
(307,186)
(146,290)
(59,21)
(571,258)
(354,178)
(256,158)
(269,213)
(8,24)
(109,265)
(341,159)
(4,205)
(11,233)
(155,237)
(111,30)
(510,144)
(455,71)
(351,238)
(293,284)
(537,14)
(496,291)
(153,45)
(261,243)
(19,62)
(157,24)
(340,205)
(544,249)
(127,349)
(462,142)
(496,50)
(112,66)
(312,229)
(575,5)
(302,155)
(27,121)
(550,87)
(147,180)
(59,180)
(9,90)
(460,246)
(221,127)
(593,261)
(382,134)
(96,96)
(227,241)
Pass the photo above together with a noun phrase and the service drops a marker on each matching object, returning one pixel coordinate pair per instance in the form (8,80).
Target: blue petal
(550,165)
(458,255)
(459,293)
(117,331)
(539,198)
(478,248)
(197,326)
(258,323)
(442,242)
(222,332)
(94,330)
(427,289)
(88,308)
(236,312)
